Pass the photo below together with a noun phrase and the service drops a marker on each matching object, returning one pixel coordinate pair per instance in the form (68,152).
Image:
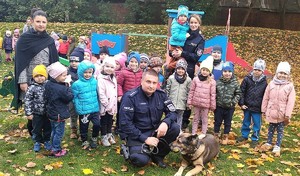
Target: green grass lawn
(16,153)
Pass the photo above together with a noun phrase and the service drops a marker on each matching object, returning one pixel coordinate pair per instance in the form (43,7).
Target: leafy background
(17,157)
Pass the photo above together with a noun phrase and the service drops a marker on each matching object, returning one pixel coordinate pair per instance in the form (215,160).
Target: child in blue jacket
(86,102)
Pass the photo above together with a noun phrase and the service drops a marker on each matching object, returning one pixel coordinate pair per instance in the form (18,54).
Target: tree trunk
(248,12)
(282,6)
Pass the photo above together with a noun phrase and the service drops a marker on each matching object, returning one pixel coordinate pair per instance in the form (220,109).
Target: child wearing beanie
(120,60)
(202,96)
(107,90)
(63,47)
(178,87)
(155,63)
(86,103)
(228,94)
(104,52)
(35,109)
(131,76)
(277,105)
(179,28)
(75,58)
(58,95)
(217,55)
(144,62)
(253,88)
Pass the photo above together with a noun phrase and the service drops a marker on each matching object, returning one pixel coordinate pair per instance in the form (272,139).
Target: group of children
(91,89)
(215,88)
(86,91)
(8,43)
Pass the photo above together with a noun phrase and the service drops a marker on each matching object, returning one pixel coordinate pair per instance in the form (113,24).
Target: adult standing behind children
(33,48)
(193,46)
(253,88)
(142,125)
(192,50)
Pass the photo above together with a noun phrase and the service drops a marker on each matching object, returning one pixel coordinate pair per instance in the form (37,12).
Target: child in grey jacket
(178,87)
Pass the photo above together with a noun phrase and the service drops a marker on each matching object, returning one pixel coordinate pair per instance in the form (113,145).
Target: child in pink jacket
(278,104)
(202,95)
(107,91)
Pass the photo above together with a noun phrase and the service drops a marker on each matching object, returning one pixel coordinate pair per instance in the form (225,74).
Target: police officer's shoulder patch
(133,93)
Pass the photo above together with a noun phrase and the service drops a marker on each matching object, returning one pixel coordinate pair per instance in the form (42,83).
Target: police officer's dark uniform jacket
(141,115)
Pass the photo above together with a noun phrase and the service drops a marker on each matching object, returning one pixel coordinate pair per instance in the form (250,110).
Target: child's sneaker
(85,145)
(104,141)
(94,142)
(266,147)
(241,140)
(60,153)
(47,145)
(111,138)
(276,150)
(37,147)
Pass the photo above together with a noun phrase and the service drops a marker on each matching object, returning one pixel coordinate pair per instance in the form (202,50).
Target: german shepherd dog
(195,151)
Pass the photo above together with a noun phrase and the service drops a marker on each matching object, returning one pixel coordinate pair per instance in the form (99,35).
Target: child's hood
(82,67)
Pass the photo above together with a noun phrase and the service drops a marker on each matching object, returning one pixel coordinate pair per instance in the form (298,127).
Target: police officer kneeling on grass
(147,135)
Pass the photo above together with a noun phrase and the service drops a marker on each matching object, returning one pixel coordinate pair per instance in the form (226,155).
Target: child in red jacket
(64,47)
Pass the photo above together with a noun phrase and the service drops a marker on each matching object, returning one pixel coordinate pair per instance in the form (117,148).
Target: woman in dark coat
(192,50)
(33,48)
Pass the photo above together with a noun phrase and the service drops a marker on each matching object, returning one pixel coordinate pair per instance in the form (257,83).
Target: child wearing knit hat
(120,60)
(218,63)
(131,76)
(202,96)
(58,95)
(178,87)
(180,27)
(253,87)
(75,58)
(107,91)
(144,61)
(228,94)
(155,63)
(277,105)
(104,52)
(35,109)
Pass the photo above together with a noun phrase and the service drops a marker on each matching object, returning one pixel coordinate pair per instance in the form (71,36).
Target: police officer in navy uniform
(148,135)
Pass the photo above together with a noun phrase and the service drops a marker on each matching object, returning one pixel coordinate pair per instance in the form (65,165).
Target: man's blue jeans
(58,130)
(255,117)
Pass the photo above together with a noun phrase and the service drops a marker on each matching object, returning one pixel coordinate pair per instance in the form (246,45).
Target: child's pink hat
(56,69)
(121,59)
(88,51)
